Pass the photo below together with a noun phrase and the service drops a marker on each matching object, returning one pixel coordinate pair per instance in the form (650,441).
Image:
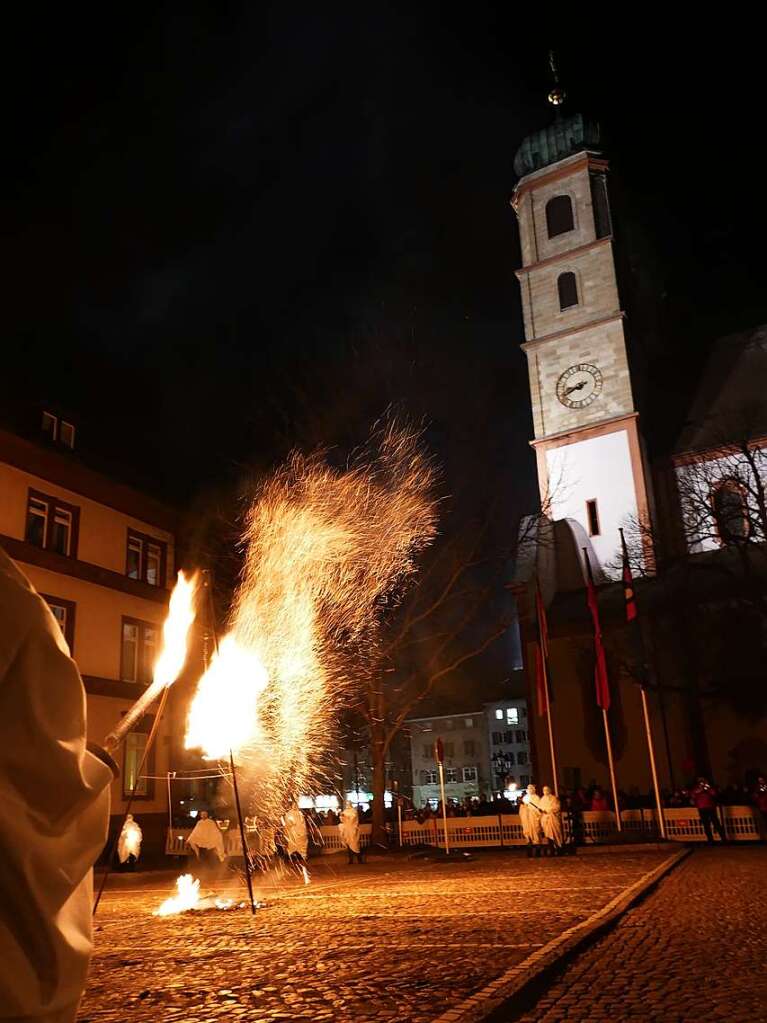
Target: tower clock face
(579,385)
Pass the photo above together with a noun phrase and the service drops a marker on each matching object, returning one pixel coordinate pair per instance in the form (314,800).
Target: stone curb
(491,997)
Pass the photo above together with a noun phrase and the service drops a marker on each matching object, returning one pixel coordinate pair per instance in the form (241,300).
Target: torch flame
(187,896)
(175,631)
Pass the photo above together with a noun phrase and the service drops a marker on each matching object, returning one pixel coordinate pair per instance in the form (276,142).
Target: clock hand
(575,387)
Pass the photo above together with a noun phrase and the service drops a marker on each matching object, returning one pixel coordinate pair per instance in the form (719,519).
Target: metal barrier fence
(595,826)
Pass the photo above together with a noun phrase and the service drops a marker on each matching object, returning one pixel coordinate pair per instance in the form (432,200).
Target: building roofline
(65,471)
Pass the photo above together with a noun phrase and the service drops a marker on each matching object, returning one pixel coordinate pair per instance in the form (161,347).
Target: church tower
(587,441)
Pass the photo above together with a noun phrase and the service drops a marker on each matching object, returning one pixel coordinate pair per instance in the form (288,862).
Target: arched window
(559,215)
(568,290)
(730,511)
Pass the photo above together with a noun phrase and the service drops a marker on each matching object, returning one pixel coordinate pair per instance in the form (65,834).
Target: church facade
(595,478)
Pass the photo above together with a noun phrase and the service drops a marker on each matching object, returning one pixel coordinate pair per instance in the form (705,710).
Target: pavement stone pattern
(392,939)
(694,951)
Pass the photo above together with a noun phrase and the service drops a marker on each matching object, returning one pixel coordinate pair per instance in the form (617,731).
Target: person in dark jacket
(703,797)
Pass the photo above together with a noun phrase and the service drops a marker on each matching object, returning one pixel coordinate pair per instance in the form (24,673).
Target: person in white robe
(551,818)
(349,830)
(296,835)
(207,836)
(129,843)
(530,819)
(54,811)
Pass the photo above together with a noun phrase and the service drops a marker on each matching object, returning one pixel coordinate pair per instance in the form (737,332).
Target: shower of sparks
(326,551)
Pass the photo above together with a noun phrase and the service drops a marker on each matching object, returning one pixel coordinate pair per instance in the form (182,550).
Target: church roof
(730,400)
(566,136)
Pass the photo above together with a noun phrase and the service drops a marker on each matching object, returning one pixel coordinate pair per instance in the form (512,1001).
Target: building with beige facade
(103,556)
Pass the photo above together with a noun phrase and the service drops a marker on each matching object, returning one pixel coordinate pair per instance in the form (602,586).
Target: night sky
(238,229)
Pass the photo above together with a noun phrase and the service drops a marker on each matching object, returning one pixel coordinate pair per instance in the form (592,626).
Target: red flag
(628,583)
(541,695)
(543,628)
(600,664)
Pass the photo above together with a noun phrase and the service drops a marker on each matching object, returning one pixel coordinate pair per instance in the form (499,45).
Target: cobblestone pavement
(694,951)
(389,940)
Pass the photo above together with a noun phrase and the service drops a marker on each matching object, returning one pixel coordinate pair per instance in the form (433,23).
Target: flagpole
(554,769)
(444,807)
(543,646)
(630,595)
(651,751)
(618,822)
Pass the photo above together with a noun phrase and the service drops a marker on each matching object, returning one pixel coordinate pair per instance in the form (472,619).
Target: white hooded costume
(296,835)
(206,834)
(552,817)
(129,843)
(54,812)
(530,816)
(349,828)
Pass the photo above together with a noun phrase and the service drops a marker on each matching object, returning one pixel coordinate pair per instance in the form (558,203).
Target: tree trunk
(378,748)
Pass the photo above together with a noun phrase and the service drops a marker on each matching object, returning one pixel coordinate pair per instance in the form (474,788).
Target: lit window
(592,517)
(469,774)
(512,716)
(499,714)
(468,722)
(145,559)
(50,426)
(135,744)
(139,642)
(67,434)
(52,524)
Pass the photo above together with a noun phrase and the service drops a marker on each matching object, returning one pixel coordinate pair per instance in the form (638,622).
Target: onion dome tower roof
(566,136)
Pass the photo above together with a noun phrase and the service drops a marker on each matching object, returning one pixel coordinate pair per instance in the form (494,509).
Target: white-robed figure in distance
(530,819)
(54,812)
(206,835)
(296,835)
(551,819)
(129,843)
(349,830)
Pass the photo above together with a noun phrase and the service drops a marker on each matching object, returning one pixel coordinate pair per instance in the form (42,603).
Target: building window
(559,215)
(138,651)
(430,777)
(592,517)
(451,774)
(470,774)
(64,613)
(428,751)
(146,558)
(52,524)
(568,290)
(497,738)
(524,780)
(468,747)
(56,429)
(512,716)
(133,772)
(521,735)
(449,749)
(508,737)
(730,512)
(468,722)
(600,205)
(521,757)
(499,714)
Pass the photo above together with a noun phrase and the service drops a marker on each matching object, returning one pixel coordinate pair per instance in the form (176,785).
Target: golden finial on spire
(557,95)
